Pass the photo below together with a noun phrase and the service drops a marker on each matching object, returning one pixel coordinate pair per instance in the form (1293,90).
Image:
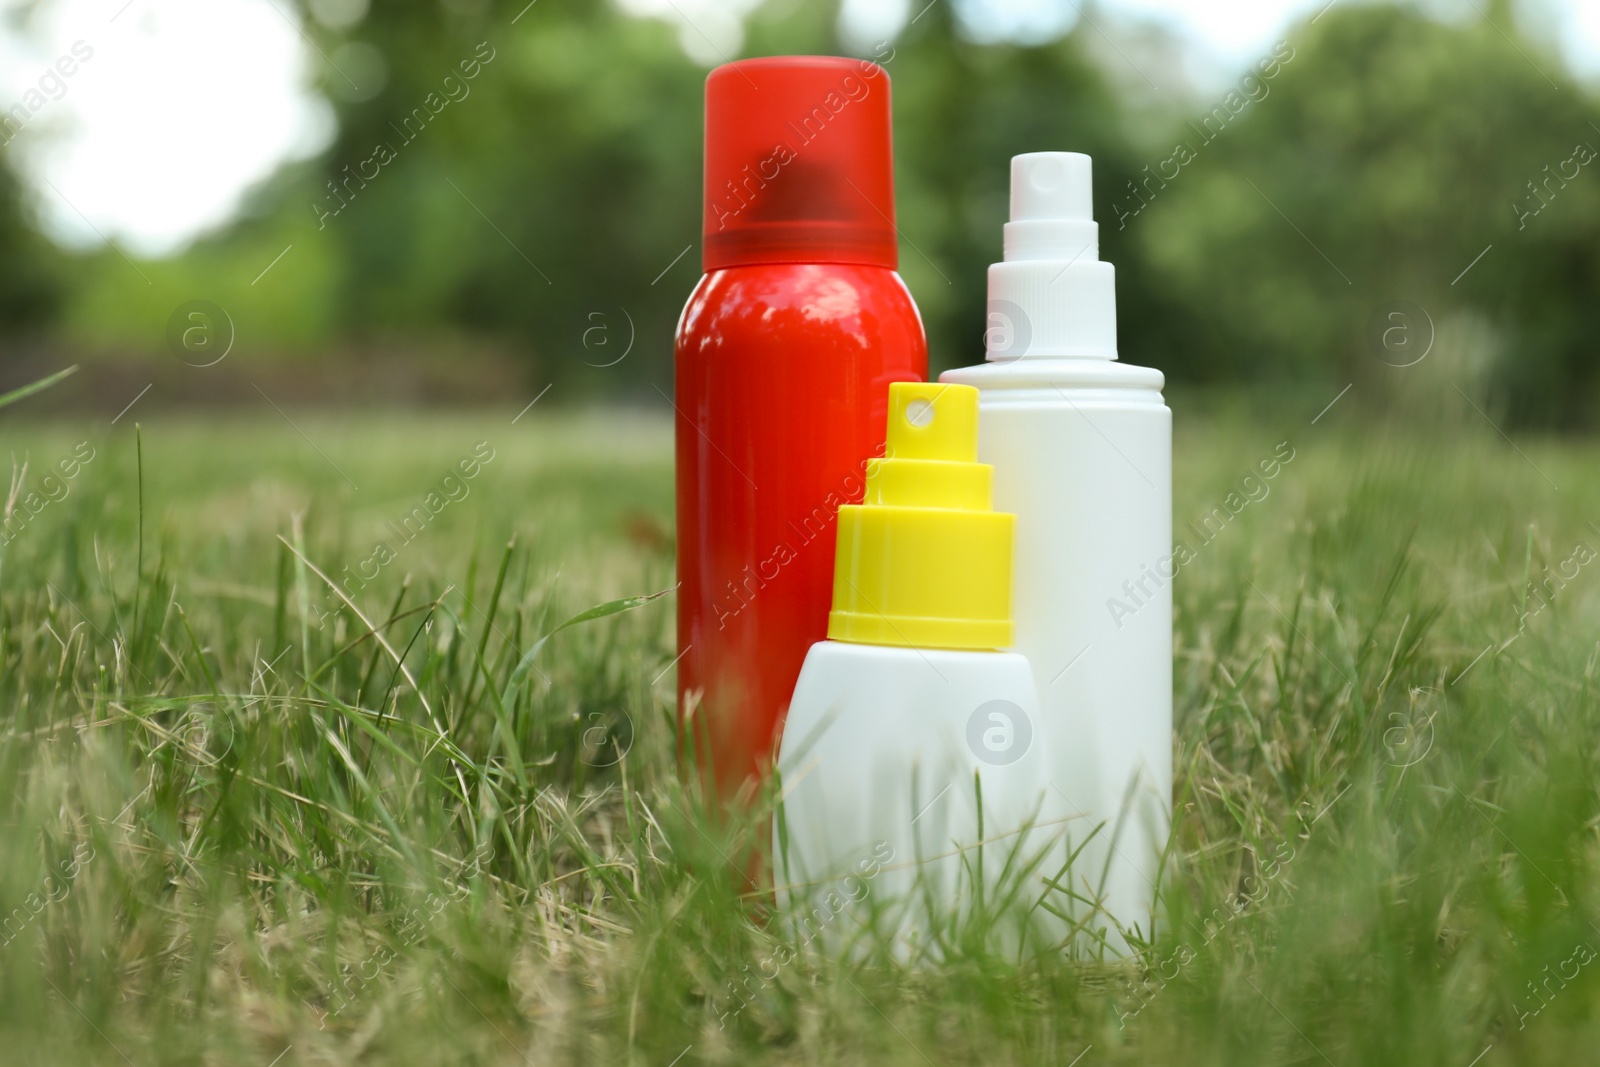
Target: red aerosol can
(784,356)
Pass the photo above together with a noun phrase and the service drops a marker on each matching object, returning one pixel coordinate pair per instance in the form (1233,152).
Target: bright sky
(173,109)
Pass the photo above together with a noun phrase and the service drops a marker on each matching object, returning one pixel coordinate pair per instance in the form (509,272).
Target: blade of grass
(599,611)
(488,619)
(35,387)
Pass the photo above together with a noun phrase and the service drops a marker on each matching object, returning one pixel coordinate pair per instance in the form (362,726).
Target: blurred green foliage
(30,286)
(1390,153)
(548,205)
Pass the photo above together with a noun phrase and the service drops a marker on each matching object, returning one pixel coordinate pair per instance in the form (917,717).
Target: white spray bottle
(911,711)
(1082,450)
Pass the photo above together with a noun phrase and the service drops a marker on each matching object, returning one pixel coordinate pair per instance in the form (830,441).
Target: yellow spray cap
(925,561)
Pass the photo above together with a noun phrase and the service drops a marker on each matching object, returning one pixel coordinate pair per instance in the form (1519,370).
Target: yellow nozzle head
(925,561)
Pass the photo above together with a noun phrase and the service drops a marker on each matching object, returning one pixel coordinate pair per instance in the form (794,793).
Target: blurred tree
(536,180)
(30,266)
(30,282)
(1391,150)
(549,202)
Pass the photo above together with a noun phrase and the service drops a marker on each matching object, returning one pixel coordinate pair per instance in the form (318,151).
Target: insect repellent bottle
(912,737)
(1082,450)
(783,358)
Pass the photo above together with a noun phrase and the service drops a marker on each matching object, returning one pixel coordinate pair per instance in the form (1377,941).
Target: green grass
(234,834)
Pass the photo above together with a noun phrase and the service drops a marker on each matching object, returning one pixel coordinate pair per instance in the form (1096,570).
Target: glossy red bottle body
(782,383)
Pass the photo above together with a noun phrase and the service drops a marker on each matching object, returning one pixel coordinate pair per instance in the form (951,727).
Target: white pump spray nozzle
(1051,185)
(1052,208)
(1051,297)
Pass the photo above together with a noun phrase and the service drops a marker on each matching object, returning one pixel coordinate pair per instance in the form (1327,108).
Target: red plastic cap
(799,163)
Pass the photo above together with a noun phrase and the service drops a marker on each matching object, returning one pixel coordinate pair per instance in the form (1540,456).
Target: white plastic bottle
(911,712)
(1082,450)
